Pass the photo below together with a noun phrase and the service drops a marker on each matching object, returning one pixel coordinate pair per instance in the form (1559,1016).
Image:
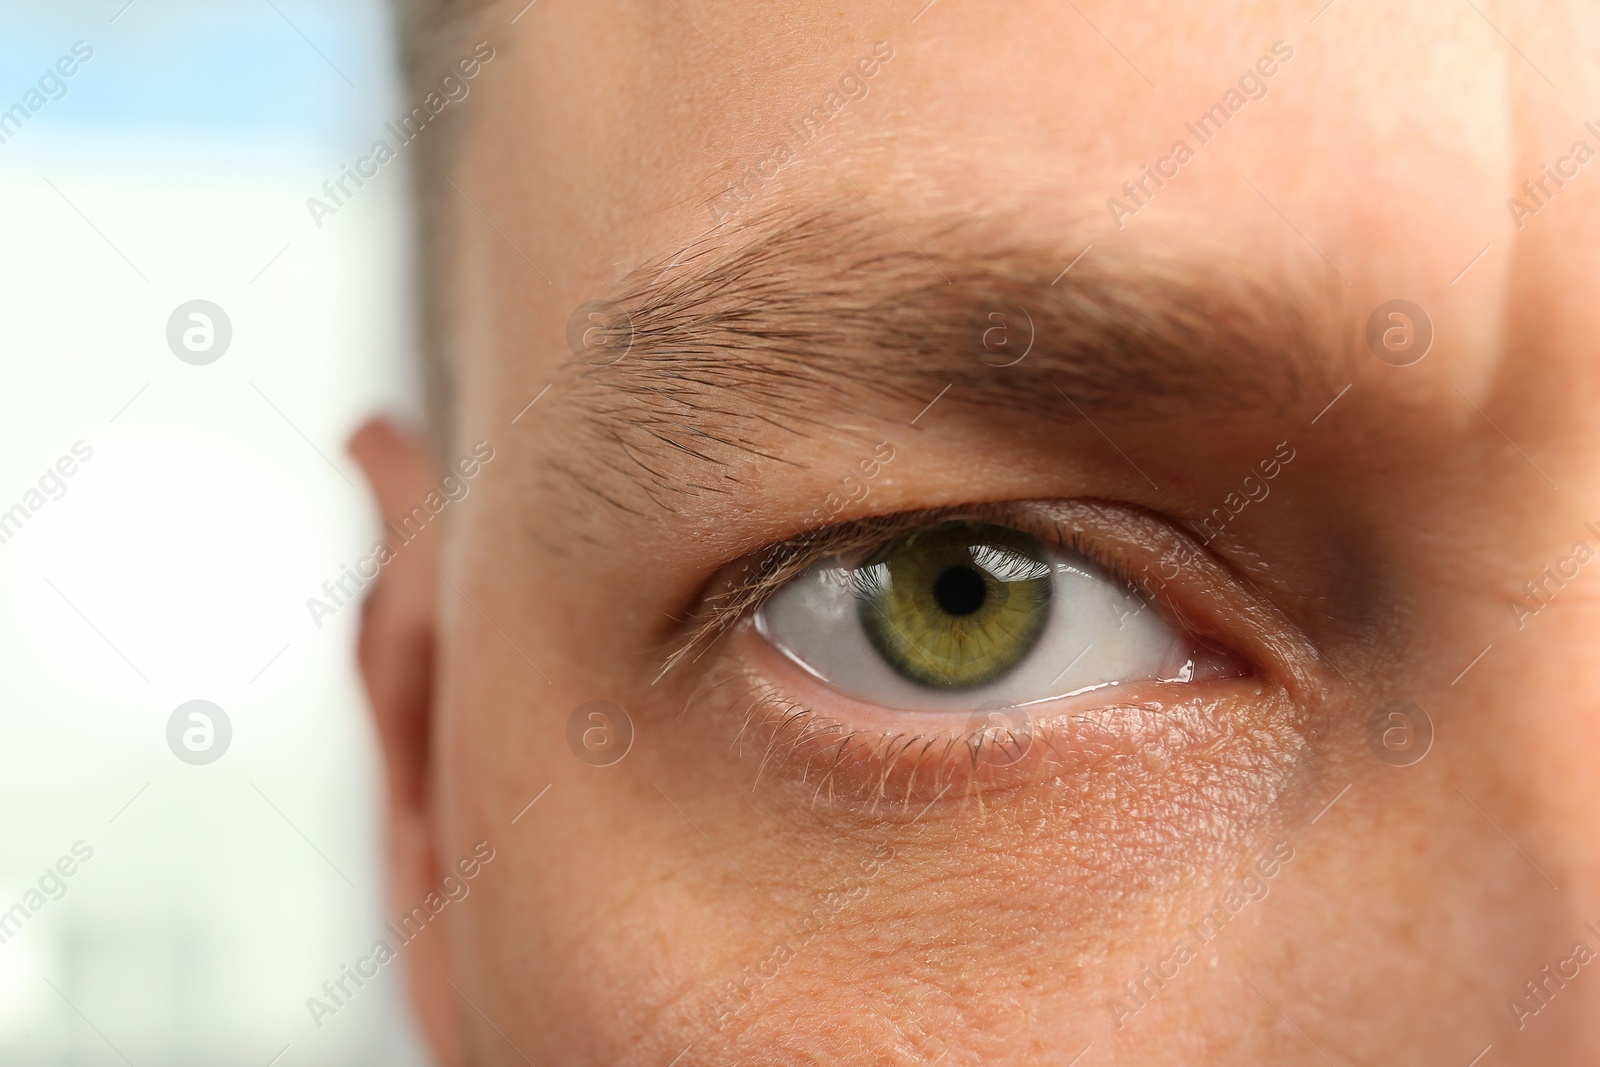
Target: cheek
(1017,892)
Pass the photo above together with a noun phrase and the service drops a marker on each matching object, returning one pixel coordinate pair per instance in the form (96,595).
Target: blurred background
(230,873)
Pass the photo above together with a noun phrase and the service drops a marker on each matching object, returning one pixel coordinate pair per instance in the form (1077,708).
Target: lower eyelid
(800,729)
(1120,805)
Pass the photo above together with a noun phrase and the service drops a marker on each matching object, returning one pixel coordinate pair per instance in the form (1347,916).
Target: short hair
(431,35)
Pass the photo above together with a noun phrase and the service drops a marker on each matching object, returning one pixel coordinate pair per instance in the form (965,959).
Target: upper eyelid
(769,570)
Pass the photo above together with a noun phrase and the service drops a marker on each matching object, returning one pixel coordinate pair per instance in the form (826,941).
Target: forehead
(635,126)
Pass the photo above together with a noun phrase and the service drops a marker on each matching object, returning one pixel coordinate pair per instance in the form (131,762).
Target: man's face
(1061,605)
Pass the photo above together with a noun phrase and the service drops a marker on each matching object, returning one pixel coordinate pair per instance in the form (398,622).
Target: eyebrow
(801,321)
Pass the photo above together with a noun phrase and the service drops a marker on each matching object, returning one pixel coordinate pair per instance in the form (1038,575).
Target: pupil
(960,590)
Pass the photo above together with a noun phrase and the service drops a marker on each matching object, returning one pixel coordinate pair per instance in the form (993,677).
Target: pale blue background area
(200,69)
(178,563)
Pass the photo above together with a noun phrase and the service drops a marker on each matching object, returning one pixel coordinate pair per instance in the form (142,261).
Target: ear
(396,653)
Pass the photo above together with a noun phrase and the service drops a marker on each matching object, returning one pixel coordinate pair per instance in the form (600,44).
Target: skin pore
(779,872)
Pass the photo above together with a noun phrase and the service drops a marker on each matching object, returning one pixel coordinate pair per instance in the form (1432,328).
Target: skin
(997,923)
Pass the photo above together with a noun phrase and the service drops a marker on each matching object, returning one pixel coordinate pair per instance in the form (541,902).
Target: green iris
(956,605)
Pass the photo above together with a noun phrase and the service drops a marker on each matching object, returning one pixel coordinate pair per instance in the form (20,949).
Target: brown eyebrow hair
(801,321)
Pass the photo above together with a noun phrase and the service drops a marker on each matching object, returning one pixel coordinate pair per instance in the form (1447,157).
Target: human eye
(994,642)
(964,614)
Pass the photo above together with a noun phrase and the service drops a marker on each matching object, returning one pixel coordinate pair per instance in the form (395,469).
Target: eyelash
(739,590)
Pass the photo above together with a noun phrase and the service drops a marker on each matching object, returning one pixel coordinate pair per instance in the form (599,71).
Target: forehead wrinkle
(805,317)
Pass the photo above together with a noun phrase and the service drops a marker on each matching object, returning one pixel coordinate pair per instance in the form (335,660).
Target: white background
(178,563)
